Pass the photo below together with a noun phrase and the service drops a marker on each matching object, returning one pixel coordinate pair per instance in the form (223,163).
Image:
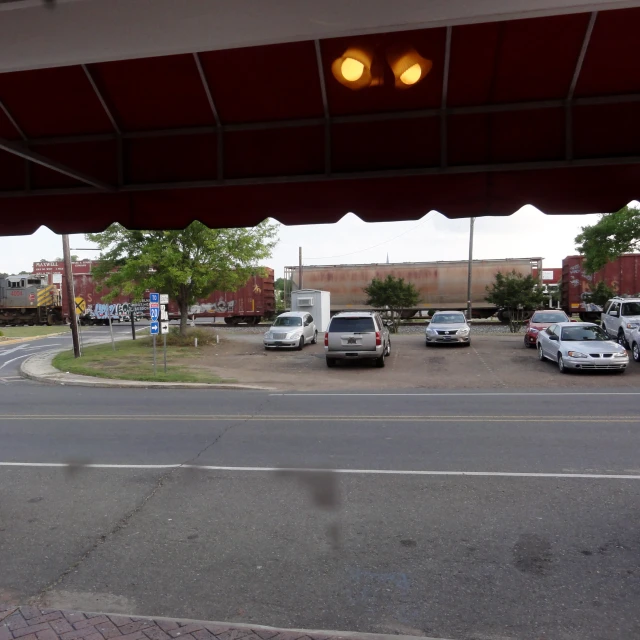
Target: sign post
(164,324)
(154,312)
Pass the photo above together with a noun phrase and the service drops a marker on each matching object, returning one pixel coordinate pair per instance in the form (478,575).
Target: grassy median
(31,332)
(133,360)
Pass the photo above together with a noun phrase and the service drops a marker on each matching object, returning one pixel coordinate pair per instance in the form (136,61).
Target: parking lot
(492,362)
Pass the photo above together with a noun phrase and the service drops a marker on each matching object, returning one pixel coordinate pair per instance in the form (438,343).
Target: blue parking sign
(154,297)
(155,328)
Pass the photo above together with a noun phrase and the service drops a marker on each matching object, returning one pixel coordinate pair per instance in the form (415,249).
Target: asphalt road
(542,542)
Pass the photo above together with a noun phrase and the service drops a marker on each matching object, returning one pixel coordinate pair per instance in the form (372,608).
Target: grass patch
(133,360)
(29,332)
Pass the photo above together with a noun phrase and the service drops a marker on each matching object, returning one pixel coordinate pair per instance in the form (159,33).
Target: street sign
(81,305)
(164,298)
(155,328)
(154,312)
(164,327)
(154,297)
(164,314)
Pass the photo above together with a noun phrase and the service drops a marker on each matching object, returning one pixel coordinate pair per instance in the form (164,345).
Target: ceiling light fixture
(408,66)
(356,69)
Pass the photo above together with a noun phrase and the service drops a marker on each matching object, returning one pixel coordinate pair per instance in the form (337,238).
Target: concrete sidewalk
(32,623)
(39,368)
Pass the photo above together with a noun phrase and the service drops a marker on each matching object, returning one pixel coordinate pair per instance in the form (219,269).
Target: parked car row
(572,345)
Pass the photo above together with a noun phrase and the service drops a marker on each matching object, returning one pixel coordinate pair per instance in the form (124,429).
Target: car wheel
(541,355)
(561,366)
(389,348)
(380,361)
(315,338)
(301,343)
(331,362)
(622,341)
(527,345)
(635,349)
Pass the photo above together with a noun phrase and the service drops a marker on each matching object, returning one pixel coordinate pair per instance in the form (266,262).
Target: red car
(539,321)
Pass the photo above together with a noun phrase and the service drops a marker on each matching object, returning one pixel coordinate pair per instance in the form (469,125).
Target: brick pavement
(31,623)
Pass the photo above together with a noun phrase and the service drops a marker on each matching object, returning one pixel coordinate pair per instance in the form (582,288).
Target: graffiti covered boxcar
(250,303)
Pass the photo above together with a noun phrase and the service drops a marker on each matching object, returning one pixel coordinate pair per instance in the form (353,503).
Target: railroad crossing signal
(81,305)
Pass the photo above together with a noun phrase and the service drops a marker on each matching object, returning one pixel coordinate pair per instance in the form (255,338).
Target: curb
(234,629)
(38,368)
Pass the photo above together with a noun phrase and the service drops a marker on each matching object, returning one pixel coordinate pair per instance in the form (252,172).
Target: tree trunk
(184,316)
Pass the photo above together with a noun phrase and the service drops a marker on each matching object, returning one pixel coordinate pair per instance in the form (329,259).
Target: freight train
(622,275)
(442,285)
(29,299)
(250,303)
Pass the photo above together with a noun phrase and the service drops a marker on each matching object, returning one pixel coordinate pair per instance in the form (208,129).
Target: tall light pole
(470,268)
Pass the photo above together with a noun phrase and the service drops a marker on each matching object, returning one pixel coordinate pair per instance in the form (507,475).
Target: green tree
(599,294)
(614,234)
(394,295)
(74,258)
(517,295)
(187,264)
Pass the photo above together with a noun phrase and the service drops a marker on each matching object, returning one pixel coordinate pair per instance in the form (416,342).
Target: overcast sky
(525,234)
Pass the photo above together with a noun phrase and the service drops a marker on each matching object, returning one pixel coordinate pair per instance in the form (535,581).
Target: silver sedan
(448,327)
(580,345)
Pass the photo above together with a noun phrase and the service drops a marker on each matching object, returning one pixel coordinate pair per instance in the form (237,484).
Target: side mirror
(554,338)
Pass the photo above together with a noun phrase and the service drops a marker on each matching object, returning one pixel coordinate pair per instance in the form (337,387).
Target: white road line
(370,472)
(549,394)
(4,364)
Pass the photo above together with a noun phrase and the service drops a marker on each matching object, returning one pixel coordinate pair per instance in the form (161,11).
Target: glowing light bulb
(412,74)
(352,69)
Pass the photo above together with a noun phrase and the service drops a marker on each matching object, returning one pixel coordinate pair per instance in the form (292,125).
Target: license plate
(278,343)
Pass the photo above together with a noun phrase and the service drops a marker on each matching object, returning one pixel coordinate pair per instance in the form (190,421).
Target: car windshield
(548,317)
(583,334)
(448,318)
(631,309)
(352,324)
(288,321)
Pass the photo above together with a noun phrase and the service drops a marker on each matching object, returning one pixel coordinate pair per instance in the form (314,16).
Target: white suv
(620,317)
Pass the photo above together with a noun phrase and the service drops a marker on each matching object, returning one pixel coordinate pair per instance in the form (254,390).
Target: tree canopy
(517,294)
(614,234)
(393,294)
(187,264)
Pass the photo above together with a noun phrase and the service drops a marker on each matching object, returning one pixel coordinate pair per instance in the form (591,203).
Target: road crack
(121,524)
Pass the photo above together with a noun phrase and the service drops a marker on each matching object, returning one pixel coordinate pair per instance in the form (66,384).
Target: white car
(619,318)
(580,345)
(293,329)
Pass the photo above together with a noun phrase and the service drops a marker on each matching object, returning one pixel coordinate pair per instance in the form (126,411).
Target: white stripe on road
(4,364)
(417,395)
(370,472)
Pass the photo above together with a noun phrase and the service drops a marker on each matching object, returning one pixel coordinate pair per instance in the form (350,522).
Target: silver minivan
(357,335)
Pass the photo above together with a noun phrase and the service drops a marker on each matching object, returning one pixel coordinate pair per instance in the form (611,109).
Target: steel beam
(311,122)
(568,108)
(216,117)
(325,109)
(387,173)
(443,104)
(23,152)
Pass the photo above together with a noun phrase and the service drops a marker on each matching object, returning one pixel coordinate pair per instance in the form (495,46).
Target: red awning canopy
(540,111)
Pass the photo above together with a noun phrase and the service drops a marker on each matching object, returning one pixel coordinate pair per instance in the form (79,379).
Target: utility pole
(71,300)
(300,267)
(470,268)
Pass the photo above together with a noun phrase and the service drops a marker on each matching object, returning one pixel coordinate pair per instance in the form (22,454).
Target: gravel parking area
(497,361)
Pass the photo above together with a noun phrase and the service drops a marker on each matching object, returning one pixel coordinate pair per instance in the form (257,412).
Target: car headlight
(632,325)
(620,354)
(463,332)
(533,330)
(577,354)
(431,332)
(293,334)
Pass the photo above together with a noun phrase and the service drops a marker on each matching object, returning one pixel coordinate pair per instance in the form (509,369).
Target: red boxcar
(250,303)
(622,274)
